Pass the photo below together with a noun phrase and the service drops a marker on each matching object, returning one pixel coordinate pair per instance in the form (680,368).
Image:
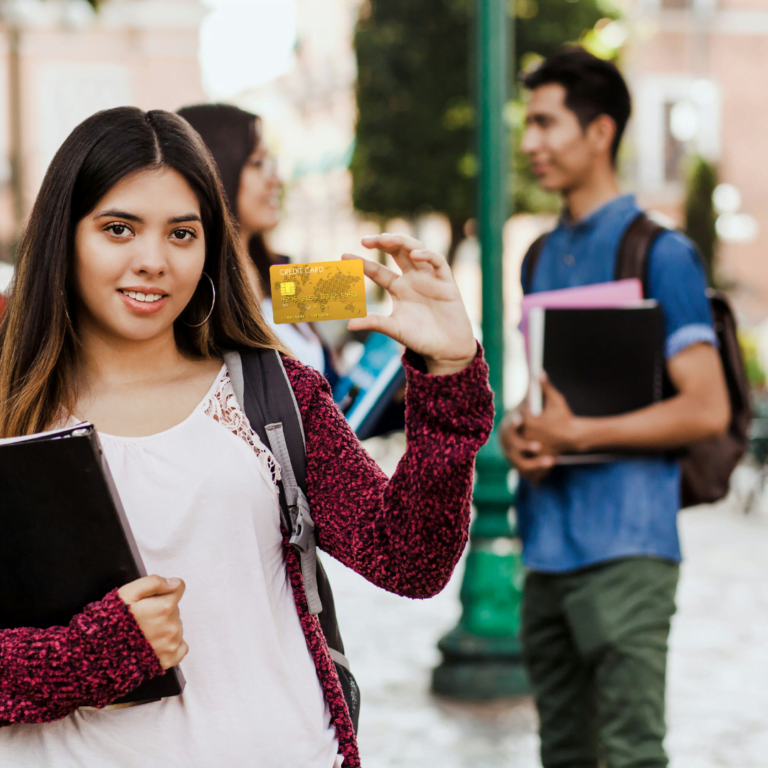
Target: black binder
(64,537)
(605,362)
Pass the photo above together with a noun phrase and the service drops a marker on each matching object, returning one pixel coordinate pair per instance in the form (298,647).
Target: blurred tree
(414,151)
(700,214)
(748,341)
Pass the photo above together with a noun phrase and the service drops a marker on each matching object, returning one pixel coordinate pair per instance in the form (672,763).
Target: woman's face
(258,199)
(139,255)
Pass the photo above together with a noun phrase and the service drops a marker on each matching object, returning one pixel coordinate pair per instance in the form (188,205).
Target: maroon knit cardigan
(404,534)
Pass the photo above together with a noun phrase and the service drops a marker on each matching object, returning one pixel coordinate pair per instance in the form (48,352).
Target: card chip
(287,289)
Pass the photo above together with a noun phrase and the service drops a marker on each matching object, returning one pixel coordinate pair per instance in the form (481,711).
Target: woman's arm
(45,674)
(406,533)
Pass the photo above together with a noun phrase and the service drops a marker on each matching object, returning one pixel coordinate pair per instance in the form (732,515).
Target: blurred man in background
(600,540)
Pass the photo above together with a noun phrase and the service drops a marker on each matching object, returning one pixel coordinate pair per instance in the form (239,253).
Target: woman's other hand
(154,602)
(428,315)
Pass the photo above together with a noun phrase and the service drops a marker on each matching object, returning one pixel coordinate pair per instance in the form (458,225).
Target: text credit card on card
(324,290)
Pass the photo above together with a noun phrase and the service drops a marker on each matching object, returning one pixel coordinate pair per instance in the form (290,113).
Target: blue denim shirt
(581,515)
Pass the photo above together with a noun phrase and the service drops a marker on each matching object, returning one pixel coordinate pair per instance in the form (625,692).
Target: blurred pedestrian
(249,175)
(129,290)
(600,540)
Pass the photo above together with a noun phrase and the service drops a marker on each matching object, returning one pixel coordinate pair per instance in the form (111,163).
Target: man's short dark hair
(593,87)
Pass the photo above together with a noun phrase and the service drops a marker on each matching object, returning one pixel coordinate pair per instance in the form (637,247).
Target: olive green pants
(595,646)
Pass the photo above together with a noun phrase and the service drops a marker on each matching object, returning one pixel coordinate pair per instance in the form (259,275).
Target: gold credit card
(324,290)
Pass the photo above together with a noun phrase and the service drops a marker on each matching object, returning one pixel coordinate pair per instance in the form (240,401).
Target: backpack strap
(265,394)
(532,259)
(269,397)
(635,246)
(302,526)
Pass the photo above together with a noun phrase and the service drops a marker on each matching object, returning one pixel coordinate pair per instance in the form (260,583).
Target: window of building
(655,6)
(675,118)
(674,146)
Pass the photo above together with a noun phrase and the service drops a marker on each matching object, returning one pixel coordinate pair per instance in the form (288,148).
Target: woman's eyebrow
(186,217)
(115,214)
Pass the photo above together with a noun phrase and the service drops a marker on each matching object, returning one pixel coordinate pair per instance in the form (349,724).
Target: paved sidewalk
(718,676)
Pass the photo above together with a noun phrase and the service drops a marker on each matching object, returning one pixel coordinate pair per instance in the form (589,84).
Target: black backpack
(706,466)
(264,392)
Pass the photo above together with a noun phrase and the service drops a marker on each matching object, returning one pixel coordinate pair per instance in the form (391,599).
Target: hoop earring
(213,304)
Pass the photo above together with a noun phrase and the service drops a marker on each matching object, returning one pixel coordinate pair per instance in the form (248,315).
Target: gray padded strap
(235,368)
(302,525)
(293,397)
(339,658)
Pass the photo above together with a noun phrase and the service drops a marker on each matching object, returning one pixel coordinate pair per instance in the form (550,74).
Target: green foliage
(751,355)
(415,117)
(542,26)
(415,130)
(700,213)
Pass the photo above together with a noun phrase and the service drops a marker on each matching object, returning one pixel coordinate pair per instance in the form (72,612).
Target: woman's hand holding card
(428,314)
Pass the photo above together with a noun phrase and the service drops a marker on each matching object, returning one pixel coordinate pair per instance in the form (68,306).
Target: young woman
(113,319)
(252,187)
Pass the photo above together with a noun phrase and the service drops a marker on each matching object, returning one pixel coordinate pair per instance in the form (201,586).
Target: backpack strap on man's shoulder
(636,244)
(532,259)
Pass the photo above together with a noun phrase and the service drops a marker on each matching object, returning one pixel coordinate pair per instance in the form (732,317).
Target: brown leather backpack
(706,466)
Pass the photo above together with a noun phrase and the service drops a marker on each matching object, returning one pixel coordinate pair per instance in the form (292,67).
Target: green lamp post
(481,656)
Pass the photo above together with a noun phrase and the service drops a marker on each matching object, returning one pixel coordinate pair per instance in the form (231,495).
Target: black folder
(605,362)
(64,537)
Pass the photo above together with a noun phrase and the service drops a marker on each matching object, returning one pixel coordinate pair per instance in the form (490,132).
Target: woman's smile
(145,301)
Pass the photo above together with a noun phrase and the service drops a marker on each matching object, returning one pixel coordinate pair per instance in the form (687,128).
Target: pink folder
(618,293)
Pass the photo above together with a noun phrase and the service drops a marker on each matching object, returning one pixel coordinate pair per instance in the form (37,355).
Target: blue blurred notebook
(365,393)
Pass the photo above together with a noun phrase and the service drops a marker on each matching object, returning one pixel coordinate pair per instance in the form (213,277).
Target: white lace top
(222,406)
(202,502)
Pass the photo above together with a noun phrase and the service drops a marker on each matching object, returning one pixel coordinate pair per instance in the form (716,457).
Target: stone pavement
(718,675)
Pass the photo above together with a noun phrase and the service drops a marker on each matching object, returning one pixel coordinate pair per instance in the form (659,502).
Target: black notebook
(64,538)
(604,361)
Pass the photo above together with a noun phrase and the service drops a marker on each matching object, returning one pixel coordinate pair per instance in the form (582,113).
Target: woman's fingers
(399,247)
(154,603)
(389,243)
(378,323)
(380,274)
(418,258)
(148,586)
(177,658)
(432,260)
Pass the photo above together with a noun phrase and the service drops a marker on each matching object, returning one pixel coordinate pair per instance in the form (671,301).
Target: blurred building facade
(60,62)
(696,69)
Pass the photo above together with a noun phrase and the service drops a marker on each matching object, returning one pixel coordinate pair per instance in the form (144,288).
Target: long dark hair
(232,135)
(38,337)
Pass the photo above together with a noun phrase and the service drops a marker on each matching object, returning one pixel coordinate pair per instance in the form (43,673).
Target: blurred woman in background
(249,176)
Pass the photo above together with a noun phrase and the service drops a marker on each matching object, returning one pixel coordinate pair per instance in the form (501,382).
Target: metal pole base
(479,668)
(480,681)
